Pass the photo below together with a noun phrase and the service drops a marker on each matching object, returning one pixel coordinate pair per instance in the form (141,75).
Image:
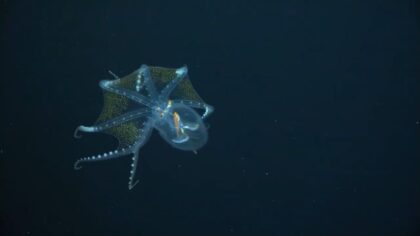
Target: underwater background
(316,128)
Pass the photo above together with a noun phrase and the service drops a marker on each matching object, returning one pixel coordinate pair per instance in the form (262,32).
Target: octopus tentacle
(144,72)
(87,129)
(109,85)
(104,156)
(134,159)
(181,73)
(111,123)
(199,105)
(146,131)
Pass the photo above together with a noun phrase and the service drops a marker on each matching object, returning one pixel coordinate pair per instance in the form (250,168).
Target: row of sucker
(104,156)
(138,83)
(133,172)
(142,139)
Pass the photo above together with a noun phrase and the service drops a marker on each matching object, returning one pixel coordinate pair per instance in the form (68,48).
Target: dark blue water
(316,129)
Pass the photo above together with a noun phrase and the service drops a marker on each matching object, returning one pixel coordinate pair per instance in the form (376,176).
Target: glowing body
(150,97)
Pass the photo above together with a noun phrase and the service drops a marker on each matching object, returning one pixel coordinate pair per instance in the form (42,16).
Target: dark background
(315,132)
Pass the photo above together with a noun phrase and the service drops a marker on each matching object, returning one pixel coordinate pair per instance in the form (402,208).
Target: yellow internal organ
(176,122)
